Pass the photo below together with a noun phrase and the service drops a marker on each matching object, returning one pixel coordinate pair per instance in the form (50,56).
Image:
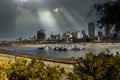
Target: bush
(97,67)
(103,66)
(24,70)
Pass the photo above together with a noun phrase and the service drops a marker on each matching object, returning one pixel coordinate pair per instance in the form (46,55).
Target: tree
(22,69)
(109,14)
(103,66)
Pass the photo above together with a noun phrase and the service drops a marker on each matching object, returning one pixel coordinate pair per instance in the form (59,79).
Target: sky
(23,18)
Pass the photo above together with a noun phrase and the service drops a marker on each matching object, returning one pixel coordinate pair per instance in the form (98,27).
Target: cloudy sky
(22,18)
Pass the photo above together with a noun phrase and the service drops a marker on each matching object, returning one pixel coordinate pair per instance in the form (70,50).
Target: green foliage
(103,66)
(22,69)
(4,69)
(109,14)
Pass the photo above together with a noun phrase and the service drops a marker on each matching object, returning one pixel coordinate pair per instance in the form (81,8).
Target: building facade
(91,29)
(77,35)
(42,35)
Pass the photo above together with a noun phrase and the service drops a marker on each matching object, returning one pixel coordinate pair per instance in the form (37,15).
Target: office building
(91,29)
(77,35)
(42,35)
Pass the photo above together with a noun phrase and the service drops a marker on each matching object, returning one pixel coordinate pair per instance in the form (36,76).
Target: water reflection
(62,54)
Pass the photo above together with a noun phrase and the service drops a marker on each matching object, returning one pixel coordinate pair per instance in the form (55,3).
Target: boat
(43,48)
(75,48)
(68,48)
(78,48)
(55,48)
(61,49)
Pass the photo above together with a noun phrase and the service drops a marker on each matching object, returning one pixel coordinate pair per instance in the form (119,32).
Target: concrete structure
(59,36)
(67,35)
(77,35)
(45,34)
(53,37)
(91,29)
(56,37)
(83,33)
(42,35)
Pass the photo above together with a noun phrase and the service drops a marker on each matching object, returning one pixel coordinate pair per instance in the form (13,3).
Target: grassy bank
(51,61)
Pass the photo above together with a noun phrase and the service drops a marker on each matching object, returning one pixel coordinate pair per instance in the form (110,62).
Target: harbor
(33,49)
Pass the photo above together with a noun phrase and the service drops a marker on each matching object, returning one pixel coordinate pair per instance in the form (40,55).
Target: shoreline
(41,57)
(53,61)
(66,63)
(87,45)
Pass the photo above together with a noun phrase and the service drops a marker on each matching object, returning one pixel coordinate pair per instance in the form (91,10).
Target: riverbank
(53,61)
(86,45)
(65,63)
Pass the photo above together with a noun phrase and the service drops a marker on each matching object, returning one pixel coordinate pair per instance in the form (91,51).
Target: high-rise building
(42,34)
(83,33)
(59,36)
(91,29)
(53,36)
(77,34)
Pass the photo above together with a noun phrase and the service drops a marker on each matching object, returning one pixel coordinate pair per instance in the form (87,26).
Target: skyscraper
(42,35)
(91,29)
(77,35)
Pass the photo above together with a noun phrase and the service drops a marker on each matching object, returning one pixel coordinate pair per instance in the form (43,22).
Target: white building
(67,35)
(77,35)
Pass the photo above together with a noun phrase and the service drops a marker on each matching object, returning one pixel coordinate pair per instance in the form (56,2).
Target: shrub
(24,70)
(103,66)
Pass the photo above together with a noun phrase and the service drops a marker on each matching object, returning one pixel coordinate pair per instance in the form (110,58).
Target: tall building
(53,37)
(77,34)
(83,33)
(67,35)
(91,29)
(59,36)
(42,34)
(45,34)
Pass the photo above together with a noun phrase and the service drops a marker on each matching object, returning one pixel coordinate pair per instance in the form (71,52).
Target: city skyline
(22,18)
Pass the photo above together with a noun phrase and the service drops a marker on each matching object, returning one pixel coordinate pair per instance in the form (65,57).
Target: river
(60,54)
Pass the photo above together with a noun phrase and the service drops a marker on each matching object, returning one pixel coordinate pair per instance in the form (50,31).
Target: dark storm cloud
(22,16)
(82,7)
(34,6)
(8,13)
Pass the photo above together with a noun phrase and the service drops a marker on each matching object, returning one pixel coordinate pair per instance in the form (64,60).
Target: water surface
(61,54)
